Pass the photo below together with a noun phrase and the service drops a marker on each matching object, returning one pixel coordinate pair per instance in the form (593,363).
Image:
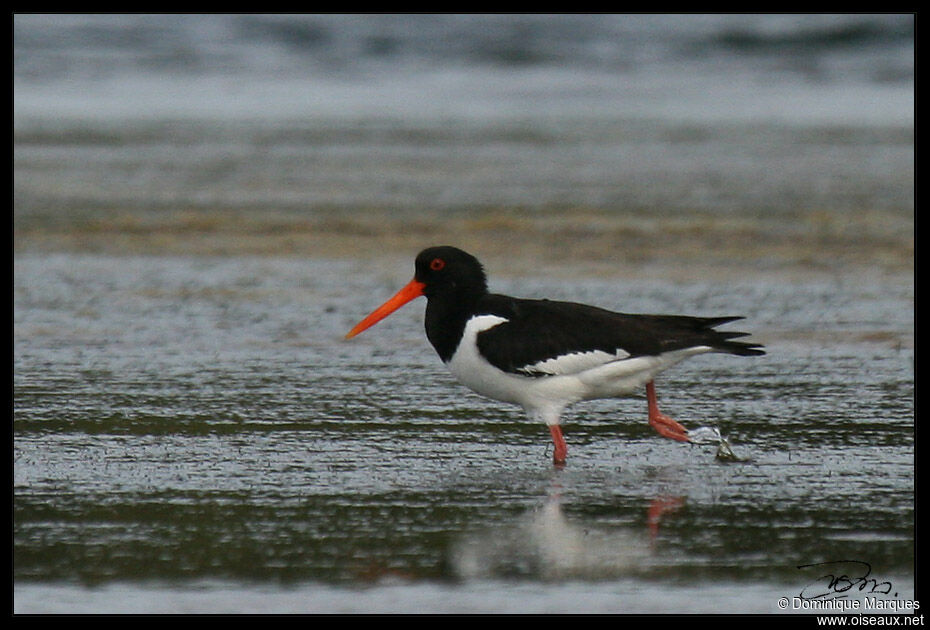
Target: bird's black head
(454,278)
(448,270)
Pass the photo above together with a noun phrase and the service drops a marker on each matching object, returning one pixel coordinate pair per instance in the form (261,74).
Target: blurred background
(681,140)
(203,206)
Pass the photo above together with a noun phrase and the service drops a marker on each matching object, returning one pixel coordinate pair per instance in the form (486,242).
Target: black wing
(544,331)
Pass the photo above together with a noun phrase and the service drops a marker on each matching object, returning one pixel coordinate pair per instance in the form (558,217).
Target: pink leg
(657,509)
(660,422)
(561,450)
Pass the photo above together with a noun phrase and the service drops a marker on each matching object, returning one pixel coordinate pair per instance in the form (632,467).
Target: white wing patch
(574,362)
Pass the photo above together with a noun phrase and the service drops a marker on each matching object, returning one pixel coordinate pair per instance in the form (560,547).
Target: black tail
(699,331)
(720,340)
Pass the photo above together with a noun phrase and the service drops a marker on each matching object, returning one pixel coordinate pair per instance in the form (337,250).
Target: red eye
(436,264)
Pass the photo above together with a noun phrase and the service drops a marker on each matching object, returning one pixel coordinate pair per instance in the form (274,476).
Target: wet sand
(514,241)
(622,198)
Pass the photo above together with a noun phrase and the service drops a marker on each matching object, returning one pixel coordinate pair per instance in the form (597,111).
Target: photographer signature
(836,584)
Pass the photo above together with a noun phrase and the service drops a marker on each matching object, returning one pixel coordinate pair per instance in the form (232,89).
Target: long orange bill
(414,289)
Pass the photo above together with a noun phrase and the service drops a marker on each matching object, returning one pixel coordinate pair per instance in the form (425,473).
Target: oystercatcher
(545,355)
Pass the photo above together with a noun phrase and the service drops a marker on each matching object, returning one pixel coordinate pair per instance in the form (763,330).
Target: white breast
(473,370)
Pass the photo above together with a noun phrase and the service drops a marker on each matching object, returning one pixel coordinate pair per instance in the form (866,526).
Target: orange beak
(414,289)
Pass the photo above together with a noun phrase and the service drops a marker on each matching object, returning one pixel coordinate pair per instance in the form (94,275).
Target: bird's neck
(446,316)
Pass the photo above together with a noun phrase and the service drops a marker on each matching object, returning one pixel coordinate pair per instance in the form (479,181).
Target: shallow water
(195,434)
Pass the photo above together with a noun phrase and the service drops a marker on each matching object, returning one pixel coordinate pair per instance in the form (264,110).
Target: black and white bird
(545,355)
